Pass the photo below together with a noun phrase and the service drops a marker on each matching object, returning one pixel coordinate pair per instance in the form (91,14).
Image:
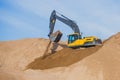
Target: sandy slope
(17,54)
(62,58)
(99,64)
(102,65)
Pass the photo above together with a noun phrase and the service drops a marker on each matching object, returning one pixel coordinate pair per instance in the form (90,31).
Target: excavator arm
(55,15)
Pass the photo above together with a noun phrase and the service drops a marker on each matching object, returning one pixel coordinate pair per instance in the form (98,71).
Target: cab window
(72,38)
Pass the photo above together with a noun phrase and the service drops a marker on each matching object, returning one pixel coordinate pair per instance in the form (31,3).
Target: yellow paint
(81,42)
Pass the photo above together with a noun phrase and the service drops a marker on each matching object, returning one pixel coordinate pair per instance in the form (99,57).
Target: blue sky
(30,18)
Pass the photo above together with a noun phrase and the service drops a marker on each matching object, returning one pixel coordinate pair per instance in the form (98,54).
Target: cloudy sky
(30,18)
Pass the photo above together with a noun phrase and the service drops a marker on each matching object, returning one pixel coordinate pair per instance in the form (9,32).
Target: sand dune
(21,60)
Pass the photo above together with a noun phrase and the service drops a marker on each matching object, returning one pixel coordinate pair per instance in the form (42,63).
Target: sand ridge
(98,63)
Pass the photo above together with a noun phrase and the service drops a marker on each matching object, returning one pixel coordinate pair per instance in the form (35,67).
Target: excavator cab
(73,37)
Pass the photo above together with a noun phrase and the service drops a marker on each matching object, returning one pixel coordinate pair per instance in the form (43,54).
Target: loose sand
(21,60)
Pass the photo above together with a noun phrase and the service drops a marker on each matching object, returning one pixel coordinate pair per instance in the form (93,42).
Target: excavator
(75,39)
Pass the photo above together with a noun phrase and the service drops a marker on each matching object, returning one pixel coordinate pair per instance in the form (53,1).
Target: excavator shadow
(62,58)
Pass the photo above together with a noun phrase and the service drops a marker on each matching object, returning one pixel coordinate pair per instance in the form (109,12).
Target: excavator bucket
(56,36)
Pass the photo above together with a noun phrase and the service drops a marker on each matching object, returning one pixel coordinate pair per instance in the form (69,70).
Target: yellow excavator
(75,40)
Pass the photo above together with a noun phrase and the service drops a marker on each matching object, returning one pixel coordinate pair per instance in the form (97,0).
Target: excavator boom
(55,15)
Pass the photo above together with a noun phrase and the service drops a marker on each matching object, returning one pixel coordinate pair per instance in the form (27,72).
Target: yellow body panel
(81,42)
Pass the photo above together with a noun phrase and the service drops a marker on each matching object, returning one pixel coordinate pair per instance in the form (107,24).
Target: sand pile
(17,54)
(102,65)
(96,63)
(62,58)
